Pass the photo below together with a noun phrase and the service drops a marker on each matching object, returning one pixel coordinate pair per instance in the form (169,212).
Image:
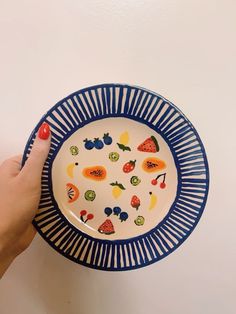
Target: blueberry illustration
(108,211)
(98,144)
(88,144)
(107,139)
(116,210)
(123,216)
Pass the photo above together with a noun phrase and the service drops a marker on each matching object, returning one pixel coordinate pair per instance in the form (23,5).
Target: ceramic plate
(126,179)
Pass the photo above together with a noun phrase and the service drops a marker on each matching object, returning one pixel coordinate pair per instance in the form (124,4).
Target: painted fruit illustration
(72,192)
(129,166)
(89,217)
(90,195)
(114,156)
(97,173)
(124,140)
(106,227)
(163,183)
(123,216)
(88,144)
(150,145)
(134,180)
(117,189)
(154,182)
(74,150)
(107,139)
(135,202)
(84,213)
(70,169)
(153,164)
(98,144)
(116,210)
(153,200)
(108,211)
(139,221)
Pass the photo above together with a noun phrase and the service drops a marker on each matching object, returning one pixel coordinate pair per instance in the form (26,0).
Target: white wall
(184,50)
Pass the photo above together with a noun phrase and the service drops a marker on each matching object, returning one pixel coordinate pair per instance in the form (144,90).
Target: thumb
(38,155)
(11,167)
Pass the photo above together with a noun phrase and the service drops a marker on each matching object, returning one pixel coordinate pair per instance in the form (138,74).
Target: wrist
(5,262)
(6,255)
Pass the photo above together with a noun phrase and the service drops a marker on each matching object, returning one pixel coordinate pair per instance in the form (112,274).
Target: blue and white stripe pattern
(115,100)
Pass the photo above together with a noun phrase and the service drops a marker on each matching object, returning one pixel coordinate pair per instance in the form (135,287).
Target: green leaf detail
(121,186)
(123,147)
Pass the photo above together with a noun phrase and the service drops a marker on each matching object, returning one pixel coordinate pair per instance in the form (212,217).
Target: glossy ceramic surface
(126,179)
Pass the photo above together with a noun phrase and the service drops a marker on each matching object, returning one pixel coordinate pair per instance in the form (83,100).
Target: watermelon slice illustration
(106,227)
(150,145)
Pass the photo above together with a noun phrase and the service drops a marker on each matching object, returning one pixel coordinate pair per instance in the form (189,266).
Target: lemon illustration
(116,192)
(117,189)
(124,138)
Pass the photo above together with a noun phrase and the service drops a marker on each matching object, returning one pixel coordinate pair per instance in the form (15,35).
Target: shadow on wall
(66,287)
(47,283)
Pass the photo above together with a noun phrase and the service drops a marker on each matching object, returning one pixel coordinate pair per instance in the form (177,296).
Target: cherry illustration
(89,217)
(162,184)
(154,182)
(82,214)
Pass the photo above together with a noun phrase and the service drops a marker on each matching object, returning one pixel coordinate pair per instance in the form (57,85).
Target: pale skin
(20,190)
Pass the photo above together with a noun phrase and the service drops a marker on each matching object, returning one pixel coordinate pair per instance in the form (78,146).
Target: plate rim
(122,115)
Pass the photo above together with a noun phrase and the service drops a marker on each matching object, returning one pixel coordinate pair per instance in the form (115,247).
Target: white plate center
(144,184)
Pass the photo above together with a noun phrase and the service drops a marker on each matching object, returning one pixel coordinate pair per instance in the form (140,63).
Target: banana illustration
(70,169)
(153,200)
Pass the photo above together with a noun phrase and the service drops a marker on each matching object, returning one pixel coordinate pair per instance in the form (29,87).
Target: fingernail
(44,131)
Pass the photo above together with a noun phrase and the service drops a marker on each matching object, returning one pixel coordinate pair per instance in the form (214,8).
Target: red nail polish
(44,131)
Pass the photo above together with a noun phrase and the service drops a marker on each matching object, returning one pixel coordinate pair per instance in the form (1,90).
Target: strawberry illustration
(129,166)
(135,202)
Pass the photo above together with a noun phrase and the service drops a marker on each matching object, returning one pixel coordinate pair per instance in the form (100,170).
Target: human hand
(20,191)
